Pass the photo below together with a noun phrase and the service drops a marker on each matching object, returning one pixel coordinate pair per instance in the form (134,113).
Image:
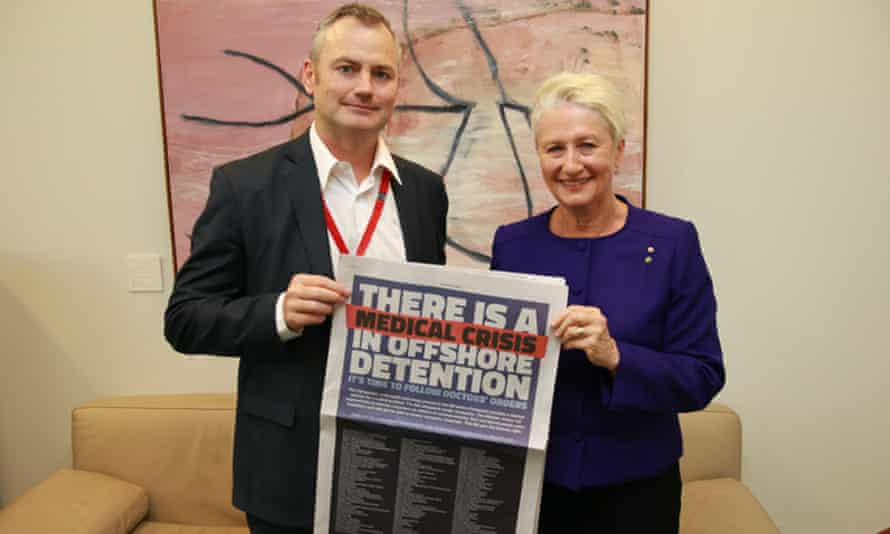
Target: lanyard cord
(372,222)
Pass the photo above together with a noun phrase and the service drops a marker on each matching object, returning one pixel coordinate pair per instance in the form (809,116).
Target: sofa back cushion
(177,447)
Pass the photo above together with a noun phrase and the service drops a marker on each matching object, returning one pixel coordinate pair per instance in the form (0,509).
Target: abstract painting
(230,86)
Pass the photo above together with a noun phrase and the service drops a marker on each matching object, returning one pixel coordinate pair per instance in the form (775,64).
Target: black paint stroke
(258,124)
(504,102)
(457,105)
(466,108)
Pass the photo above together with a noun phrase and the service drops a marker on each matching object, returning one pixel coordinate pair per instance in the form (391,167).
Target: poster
(437,400)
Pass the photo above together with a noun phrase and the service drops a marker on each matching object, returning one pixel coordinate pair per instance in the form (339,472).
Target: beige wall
(83,186)
(767,127)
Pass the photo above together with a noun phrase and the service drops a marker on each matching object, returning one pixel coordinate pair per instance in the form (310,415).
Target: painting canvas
(230,86)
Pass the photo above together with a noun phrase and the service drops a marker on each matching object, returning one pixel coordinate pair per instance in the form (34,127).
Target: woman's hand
(586,328)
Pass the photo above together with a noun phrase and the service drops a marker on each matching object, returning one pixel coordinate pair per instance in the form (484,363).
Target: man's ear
(309,76)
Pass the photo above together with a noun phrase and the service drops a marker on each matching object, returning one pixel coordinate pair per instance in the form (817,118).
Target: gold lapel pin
(651,250)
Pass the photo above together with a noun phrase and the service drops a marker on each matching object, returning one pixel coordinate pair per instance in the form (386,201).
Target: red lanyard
(372,222)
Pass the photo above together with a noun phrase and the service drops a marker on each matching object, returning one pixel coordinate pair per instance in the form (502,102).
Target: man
(259,283)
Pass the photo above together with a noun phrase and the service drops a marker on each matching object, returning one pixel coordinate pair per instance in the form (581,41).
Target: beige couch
(162,465)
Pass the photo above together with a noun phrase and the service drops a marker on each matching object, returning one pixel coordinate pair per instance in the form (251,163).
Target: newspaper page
(437,400)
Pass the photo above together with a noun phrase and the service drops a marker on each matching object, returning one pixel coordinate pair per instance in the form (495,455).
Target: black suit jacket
(263,223)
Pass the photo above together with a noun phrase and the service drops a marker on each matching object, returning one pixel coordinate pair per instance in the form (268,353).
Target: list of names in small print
(487,496)
(425,494)
(367,463)
(398,481)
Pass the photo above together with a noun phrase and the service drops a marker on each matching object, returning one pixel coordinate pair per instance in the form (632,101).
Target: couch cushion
(712,444)
(177,447)
(722,506)
(76,502)
(154,527)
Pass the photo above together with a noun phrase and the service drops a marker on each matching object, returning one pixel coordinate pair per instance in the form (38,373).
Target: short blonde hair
(591,91)
(365,14)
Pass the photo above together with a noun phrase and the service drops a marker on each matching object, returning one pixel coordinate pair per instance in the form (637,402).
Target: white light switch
(144,273)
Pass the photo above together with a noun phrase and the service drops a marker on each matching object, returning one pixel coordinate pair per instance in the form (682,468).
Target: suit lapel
(301,181)
(409,215)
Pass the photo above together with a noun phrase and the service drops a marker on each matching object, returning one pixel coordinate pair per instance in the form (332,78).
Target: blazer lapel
(301,181)
(409,214)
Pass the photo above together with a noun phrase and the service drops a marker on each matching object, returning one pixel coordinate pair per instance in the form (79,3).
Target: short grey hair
(366,14)
(591,91)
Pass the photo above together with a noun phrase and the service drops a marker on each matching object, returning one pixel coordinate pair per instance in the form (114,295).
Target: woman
(639,335)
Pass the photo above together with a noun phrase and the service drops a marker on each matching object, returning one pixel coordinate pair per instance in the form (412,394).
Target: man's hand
(310,298)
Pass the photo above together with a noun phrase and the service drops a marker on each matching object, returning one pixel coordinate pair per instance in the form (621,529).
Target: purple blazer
(651,282)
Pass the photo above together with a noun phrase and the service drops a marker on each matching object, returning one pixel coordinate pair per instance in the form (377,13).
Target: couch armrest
(77,502)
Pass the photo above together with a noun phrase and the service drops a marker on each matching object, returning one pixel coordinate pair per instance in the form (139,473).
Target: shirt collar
(325,161)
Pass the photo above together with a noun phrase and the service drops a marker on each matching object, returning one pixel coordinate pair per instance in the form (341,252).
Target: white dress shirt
(351,203)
